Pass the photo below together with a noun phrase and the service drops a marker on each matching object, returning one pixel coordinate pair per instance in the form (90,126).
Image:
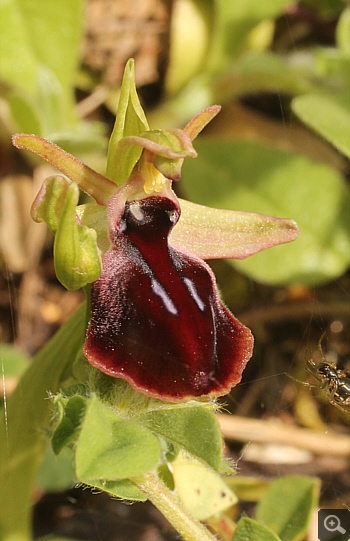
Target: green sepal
(248,528)
(193,428)
(71,414)
(48,205)
(130,120)
(76,255)
(288,504)
(110,448)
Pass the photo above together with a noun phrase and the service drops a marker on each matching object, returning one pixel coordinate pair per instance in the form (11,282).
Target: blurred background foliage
(280,146)
(275,66)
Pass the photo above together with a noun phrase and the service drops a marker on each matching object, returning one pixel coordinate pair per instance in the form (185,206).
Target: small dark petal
(156,317)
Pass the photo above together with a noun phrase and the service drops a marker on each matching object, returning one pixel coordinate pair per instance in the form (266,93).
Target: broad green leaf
(37,36)
(51,102)
(130,120)
(123,488)
(71,415)
(343,31)
(191,29)
(22,441)
(234,21)
(56,472)
(250,489)
(12,360)
(193,428)
(261,71)
(201,490)
(249,529)
(287,506)
(328,115)
(334,65)
(25,114)
(327,9)
(76,255)
(252,177)
(110,448)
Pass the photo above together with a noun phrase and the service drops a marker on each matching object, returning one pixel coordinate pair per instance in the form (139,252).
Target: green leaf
(257,178)
(343,31)
(261,71)
(250,489)
(123,488)
(328,115)
(110,448)
(52,102)
(37,36)
(287,506)
(249,529)
(234,21)
(191,29)
(76,255)
(193,428)
(13,361)
(130,120)
(25,114)
(22,441)
(56,472)
(71,413)
(201,490)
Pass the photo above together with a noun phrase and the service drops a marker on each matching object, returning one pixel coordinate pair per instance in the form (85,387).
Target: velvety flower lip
(156,319)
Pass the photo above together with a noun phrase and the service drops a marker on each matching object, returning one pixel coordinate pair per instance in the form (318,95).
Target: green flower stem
(171,507)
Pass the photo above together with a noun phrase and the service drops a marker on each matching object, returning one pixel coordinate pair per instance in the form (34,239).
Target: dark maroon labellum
(156,318)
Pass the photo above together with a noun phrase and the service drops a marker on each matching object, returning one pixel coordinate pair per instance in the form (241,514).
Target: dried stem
(274,431)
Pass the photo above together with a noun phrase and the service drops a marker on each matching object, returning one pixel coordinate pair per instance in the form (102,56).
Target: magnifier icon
(332,524)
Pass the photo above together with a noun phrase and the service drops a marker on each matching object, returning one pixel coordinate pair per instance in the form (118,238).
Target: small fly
(334,382)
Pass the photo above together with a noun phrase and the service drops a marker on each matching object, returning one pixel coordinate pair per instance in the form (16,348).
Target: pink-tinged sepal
(156,319)
(212,233)
(91,182)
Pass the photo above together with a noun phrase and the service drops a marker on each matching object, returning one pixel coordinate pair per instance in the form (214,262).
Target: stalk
(171,507)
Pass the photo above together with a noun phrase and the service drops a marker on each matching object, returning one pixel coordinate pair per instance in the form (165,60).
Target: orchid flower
(156,318)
